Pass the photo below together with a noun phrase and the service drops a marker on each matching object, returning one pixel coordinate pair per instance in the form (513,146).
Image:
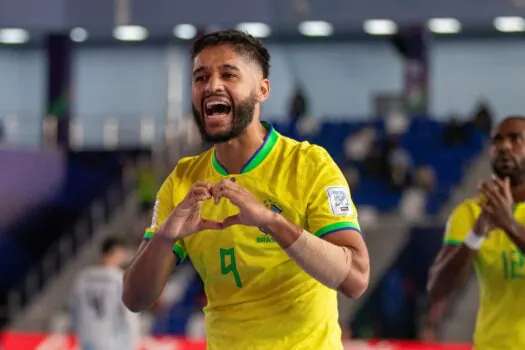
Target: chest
(240,253)
(500,259)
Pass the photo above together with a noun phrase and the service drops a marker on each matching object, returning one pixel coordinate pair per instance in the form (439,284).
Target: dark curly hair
(241,42)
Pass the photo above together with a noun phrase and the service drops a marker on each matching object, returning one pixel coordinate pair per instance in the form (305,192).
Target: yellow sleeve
(330,207)
(459,224)
(162,209)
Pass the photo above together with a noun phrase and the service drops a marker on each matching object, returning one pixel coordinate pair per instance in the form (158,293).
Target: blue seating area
(88,176)
(423,140)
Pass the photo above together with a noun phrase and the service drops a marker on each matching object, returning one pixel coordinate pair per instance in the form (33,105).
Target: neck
(518,193)
(234,154)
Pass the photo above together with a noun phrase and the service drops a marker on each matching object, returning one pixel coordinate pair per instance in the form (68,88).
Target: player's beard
(242,115)
(515,171)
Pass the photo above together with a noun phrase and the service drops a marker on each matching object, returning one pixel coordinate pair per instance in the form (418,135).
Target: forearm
(147,274)
(516,233)
(338,267)
(449,269)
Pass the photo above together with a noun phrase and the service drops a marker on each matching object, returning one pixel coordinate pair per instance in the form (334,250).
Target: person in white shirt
(100,319)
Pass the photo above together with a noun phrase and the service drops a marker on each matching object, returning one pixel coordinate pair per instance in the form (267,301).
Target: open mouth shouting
(217,112)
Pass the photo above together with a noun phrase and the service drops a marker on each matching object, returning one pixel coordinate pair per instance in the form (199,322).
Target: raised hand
(499,202)
(251,211)
(186,218)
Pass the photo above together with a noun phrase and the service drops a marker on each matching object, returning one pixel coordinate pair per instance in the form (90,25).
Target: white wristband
(474,241)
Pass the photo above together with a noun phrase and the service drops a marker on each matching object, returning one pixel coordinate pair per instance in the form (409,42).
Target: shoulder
(467,208)
(309,156)
(187,165)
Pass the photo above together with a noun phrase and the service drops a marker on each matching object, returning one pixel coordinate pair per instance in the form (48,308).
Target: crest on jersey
(273,207)
(339,200)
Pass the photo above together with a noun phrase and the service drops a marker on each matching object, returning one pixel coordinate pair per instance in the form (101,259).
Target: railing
(97,132)
(180,140)
(66,248)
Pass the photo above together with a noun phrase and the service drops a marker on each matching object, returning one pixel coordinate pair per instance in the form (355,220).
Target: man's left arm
(330,247)
(338,260)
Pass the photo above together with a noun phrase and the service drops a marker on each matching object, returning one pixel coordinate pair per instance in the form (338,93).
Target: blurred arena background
(95,111)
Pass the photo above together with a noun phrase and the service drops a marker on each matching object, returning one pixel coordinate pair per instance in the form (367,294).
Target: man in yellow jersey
(488,232)
(268,222)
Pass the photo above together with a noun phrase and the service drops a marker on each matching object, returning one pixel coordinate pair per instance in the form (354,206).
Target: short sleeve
(459,224)
(161,210)
(330,207)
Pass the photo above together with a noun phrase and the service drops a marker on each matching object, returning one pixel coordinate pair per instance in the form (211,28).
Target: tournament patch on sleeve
(339,199)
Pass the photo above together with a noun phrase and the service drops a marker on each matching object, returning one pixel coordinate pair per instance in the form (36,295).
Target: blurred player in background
(268,222)
(100,319)
(488,232)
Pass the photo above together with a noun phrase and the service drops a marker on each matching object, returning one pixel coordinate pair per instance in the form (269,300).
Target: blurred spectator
(397,123)
(357,145)
(414,199)
(308,126)
(298,105)
(455,133)
(483,118)
(374,163)
(352,177)
(399,163)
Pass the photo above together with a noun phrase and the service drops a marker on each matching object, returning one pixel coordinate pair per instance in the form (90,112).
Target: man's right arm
(455,259)
(451,267)
(151,267)
(147,275)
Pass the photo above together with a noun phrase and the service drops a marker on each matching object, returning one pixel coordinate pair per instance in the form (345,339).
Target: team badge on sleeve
(339,199)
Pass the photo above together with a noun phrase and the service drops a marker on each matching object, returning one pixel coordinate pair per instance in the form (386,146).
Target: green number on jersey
(231,267)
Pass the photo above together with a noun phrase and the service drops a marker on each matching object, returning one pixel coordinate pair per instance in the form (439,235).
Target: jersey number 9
(231,266)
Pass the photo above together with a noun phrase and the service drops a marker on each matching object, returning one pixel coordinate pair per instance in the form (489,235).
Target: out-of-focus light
(185,31)
(315,28)
(380,27)
(509,24)
(130,33)
(78,35)
(13,36)
(444,25)
(256,29)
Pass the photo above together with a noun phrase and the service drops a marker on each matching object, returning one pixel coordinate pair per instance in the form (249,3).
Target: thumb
(231,220)
(210,225)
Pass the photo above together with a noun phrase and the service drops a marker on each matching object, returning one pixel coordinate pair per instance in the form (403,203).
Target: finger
(491,192)
(202,184)
(234,196)
(198,194)
(488,210)
(506,184)
(210,225)
(231,220)
(500,185)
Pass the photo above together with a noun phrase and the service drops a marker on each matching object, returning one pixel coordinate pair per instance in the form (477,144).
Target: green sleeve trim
(338,226)
(148,235)
(180,253)
(453,242)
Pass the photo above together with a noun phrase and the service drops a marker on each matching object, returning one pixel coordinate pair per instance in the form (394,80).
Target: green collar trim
(257,158)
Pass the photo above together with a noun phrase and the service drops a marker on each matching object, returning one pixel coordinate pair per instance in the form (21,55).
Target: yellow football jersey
(258,297)
(500,270)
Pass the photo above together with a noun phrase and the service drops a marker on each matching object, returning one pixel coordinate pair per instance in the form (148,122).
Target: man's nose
(214,85)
